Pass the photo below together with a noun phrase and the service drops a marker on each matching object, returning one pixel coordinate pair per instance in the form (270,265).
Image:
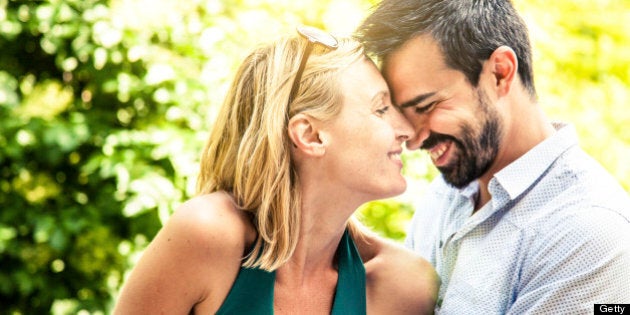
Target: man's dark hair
(467,32)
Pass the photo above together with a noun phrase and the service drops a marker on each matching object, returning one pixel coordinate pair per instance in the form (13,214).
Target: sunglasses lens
(316,35)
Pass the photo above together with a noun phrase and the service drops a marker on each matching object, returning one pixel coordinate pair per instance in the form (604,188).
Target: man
(521,220)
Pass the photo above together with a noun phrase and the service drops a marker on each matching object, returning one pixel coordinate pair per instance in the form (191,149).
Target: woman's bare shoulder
(192,261)
(213,218)
(211,221)
(398,280)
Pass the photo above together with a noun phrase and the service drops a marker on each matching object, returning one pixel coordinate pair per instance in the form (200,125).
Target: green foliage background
(104,106)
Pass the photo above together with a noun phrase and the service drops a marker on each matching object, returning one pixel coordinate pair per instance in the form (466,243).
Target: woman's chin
(396,190)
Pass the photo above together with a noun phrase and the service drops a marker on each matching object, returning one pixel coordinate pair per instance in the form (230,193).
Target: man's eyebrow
(416,100)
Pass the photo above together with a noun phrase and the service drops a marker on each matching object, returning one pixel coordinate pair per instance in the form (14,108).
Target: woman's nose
(404,128)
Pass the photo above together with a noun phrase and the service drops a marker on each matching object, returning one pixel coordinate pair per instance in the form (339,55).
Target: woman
(306,135)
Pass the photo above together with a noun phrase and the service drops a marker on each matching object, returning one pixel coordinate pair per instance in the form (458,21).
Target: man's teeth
(437,152)
(395,156)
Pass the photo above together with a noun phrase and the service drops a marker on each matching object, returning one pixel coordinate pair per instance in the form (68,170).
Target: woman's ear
(304,133)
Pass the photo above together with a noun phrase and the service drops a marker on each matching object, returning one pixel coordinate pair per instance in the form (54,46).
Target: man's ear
(304,133)
(503,65)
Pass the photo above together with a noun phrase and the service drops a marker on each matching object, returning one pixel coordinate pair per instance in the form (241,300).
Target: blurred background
(105,105)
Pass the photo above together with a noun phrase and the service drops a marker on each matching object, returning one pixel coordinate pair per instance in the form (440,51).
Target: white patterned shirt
(554,238)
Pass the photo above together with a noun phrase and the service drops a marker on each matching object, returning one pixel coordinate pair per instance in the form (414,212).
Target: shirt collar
(523,172)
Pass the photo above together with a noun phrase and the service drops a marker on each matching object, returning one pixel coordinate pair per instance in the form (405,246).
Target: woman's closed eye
(382,110)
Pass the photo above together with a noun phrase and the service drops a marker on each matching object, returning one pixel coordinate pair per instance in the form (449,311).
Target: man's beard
(473,152)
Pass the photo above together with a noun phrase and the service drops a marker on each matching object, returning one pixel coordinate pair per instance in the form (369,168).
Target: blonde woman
(306,135)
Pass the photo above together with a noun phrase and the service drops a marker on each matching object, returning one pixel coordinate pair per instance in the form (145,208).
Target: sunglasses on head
(314,36)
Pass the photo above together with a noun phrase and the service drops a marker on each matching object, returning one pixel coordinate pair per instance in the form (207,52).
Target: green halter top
(252,291)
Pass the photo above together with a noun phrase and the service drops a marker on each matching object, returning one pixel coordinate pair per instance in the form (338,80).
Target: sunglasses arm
(298,75)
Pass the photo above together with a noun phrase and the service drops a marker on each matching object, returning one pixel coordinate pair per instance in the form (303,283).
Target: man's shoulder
(594,185)
(574,186)
(591,229)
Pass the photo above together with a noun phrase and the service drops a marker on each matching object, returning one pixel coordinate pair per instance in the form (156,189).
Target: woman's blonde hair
(248,152)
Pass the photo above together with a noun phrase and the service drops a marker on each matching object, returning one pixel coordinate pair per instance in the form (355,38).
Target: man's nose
(421,132)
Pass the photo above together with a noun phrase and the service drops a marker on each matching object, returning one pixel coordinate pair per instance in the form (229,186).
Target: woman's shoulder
(192,261)
(398,280)
(214,220)
(215,235)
